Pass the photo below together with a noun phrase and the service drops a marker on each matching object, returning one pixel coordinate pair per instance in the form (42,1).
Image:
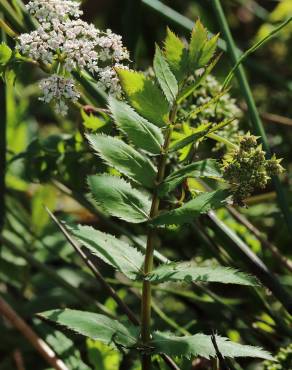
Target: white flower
(77,43)
(112,47)
(48,10)
(58,89)
(109,80)
(71,44)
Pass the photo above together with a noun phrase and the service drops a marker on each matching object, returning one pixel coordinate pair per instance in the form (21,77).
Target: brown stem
(148,263)
(41,346)
(18,359)
(271,117)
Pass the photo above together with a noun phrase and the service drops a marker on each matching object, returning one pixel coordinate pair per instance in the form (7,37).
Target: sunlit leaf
(176,55)
(5,54)
(93,122)
(198,40)
(144,96)
(102,356)
(201,48)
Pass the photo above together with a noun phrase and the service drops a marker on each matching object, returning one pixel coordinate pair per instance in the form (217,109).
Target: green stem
(11,16)
(5,28)
(148,263)
(253,112)
(221,139)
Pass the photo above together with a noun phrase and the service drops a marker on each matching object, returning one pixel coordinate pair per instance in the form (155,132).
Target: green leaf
(188,273)
(208,50)
(201,48)
(94,326)
(199,38)
(64,347)
(142,133)
(119,199)
(198,133)
(206,168)
(124,158)
(192,209)
(176,55)
(45,194)
(144,96)
(5,54)
(201,345)
(102,356)
(93,122)
(198,82)
(165,77)
(116,253)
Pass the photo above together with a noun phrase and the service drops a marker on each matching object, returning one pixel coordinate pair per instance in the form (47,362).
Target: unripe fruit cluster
(246,168)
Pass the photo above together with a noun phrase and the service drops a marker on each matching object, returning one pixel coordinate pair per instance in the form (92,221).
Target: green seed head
(247,169)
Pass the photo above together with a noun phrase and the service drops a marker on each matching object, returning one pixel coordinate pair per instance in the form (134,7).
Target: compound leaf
(192,209)
(145,96)
(165,77)
(94,326)
(115,252)
(176,55)
(124,158)
(201,345)
(201,48)
(116,197)
(186,272)
(206,168)
(141,133)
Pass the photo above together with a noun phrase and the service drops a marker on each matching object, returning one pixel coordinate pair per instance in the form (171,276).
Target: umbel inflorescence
(247,169)
(68,44)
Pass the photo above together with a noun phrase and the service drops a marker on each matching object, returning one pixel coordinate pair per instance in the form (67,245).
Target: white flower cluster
(45,11)
(58,89)
(72,43)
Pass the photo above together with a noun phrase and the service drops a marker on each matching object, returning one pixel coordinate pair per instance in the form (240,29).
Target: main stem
(148,262)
